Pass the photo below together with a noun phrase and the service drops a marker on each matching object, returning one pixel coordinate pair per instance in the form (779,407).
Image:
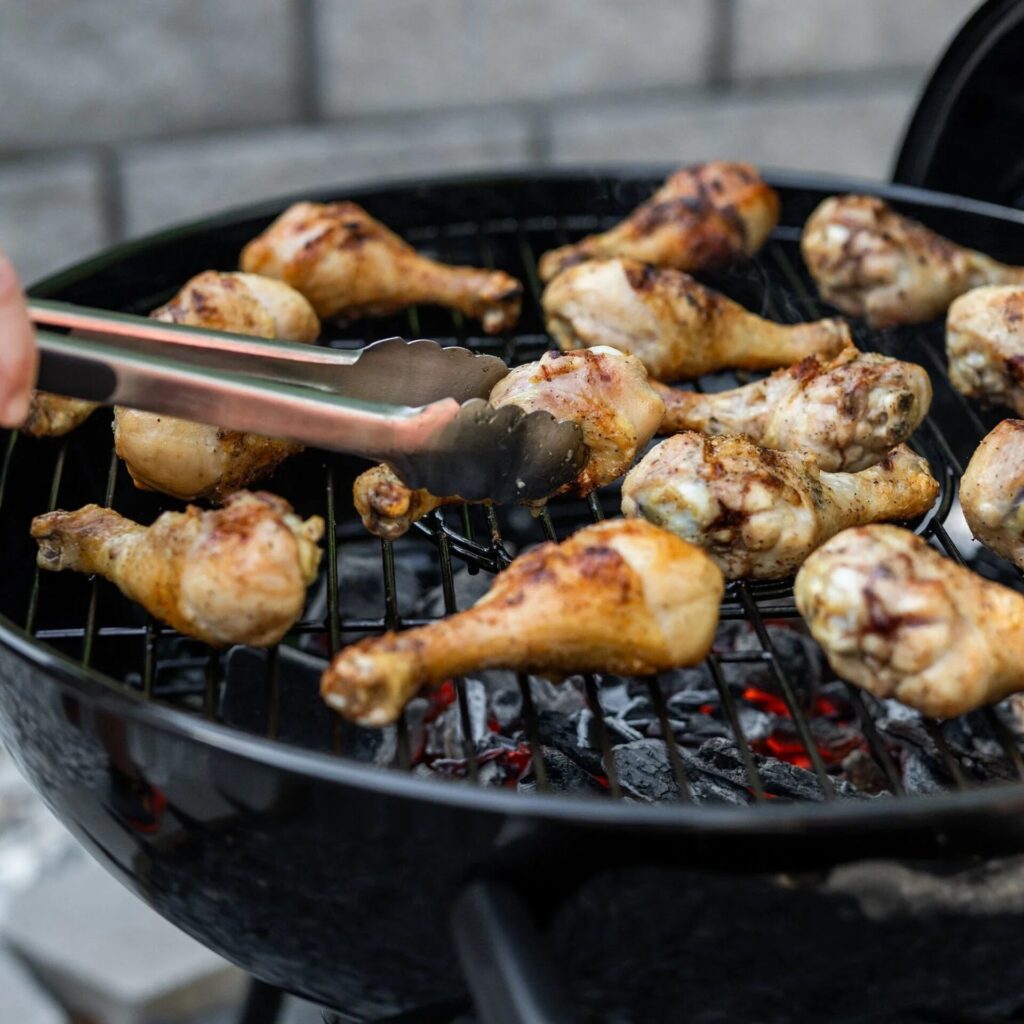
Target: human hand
(18,357)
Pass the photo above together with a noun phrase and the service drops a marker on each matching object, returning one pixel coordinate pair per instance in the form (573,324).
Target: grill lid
(962,137)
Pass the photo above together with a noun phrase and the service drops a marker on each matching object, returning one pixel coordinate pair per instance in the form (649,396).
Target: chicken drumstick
(348,264)
(899,620)
(985,345)
(871,261)
(992,488)
(604,390)
(679,328)
(760,513)
(622,597)
(847,412)
(702,217)
(234,575)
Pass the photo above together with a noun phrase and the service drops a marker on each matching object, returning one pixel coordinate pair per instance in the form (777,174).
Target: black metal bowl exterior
(335,879)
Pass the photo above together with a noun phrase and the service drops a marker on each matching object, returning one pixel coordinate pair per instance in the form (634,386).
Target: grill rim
(931,811)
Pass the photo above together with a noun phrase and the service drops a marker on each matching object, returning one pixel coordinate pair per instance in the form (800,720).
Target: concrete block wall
(120,116)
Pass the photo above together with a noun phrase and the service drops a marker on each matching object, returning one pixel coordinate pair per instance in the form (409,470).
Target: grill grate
(142,654)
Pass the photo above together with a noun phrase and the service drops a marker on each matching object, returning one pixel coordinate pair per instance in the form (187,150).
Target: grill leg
(262,1004)
(502,958)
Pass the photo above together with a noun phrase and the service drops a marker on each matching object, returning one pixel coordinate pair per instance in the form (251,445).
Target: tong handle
(390,371)
(115,376)
(285,361)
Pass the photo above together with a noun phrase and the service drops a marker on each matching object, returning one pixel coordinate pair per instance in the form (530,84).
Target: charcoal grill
(219,788)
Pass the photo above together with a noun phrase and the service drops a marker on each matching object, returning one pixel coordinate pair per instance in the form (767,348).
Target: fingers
(18,357)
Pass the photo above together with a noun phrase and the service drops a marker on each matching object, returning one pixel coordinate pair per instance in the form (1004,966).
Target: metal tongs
(418,407)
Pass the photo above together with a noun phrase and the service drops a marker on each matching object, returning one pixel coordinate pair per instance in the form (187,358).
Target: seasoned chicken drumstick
(702,217)
(679,328)
(603,390)
(871,261)
(898,619)
(234,575)
(348,264)
(196,460)
(847,413)
(759,513)
(985,345)
(992,491)
(621,597)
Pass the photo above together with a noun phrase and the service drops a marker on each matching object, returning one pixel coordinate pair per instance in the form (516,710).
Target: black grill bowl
(223,794)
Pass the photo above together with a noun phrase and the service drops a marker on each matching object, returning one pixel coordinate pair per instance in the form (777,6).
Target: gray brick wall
(120,116)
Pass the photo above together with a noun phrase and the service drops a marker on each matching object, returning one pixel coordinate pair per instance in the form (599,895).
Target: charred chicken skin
(387,507)
(702,217)
(234,575)
(759,513)
(869,260)
(676,326)
(985,345)
(349,265)
(604,390)
(51,415)
(196,460)
(992,491)
(847,413)
(899,620)
(620,596)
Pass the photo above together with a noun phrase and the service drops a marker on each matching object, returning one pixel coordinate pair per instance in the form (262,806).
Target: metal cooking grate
(90,621)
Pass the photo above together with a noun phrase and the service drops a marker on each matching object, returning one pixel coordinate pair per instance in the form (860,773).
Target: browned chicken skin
(620,596)
(604,390)
(992,491)
(847,412)
(898,619)
(196,460)
(234,575)
(759,513)
(703,217)
(871,261)
(679,328)
(348,264)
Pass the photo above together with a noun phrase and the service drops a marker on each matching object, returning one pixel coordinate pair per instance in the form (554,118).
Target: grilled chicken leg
(679,328)
(898,619)
(604,390)
(871,261)
(701,218)
(992,491)
(348,264)
(234,575)
(847,413)
(985,345)
(196,460)
(619,596)
(760,513)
